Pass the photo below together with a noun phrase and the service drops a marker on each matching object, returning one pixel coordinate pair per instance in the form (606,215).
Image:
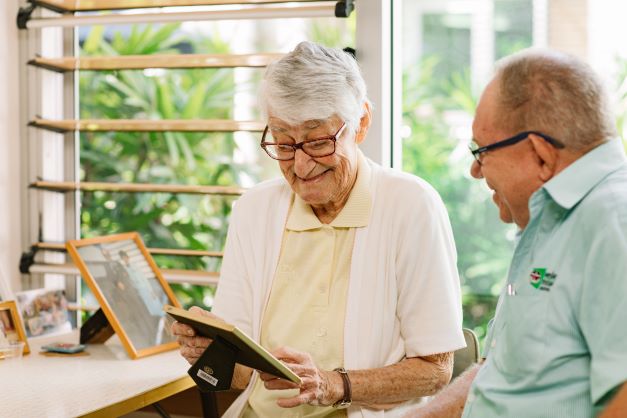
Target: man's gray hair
(556,94)
(314,82)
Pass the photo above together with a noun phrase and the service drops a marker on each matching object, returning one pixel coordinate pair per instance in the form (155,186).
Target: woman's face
(318,181)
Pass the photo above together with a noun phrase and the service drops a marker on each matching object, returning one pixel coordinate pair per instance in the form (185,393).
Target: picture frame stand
(213,371)
(97,329)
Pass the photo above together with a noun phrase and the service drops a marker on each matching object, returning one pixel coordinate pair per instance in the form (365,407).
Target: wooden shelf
(301,9)
(66,186)
(54,246)
(140,62)
(171,275)
(92,5)
(136,125)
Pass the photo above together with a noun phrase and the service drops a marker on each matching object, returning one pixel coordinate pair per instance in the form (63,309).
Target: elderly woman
(344,270)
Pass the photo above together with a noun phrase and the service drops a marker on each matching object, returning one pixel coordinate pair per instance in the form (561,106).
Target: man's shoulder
(608,198)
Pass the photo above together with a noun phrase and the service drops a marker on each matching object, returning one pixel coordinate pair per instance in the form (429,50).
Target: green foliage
(339,33)
(168,220)
(484,245)
(163,219)
(431,151)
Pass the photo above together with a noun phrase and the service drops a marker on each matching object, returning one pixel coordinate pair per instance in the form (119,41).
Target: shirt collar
(354,214)
(576,180)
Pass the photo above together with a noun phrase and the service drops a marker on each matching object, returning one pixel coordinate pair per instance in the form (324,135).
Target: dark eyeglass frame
(511,141)
(300,145)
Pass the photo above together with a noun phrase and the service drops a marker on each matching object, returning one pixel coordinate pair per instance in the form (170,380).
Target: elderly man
(343,269)
(557,346)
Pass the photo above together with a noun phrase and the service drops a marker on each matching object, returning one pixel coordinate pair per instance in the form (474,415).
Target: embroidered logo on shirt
(542,279)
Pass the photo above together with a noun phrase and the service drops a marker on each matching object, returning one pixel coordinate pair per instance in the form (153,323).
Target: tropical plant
(432,152)
(164,219)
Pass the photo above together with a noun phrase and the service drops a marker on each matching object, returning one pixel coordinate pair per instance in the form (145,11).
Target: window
(165,127)
(449,48)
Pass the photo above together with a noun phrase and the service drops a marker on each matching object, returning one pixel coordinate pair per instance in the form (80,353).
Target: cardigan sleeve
(233,299)
(429,295)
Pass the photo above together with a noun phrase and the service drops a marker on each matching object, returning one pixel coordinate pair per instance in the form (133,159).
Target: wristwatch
(346,401)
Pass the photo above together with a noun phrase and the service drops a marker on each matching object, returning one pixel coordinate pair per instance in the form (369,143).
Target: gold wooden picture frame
(11,325)
(129,288)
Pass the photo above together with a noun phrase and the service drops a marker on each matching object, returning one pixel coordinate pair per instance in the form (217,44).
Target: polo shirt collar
(354,214)
(578,179)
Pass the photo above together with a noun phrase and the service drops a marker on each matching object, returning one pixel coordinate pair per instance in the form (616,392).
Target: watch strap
(346,401)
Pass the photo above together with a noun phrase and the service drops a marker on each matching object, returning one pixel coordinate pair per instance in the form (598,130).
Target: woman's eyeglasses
(316,147)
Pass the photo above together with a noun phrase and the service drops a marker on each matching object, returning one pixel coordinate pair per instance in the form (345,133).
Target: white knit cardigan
(404,297)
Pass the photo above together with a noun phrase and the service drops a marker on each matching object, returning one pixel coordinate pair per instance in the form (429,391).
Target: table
(106,383)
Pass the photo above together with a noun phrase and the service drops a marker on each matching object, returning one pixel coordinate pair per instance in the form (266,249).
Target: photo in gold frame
(129,288)
(11,327)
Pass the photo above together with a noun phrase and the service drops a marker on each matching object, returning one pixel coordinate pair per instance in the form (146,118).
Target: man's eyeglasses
(476,151)
(316,147)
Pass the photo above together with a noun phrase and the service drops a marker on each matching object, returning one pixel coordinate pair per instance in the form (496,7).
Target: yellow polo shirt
(307,302)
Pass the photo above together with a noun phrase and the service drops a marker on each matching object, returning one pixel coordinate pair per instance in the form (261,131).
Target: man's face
(318,181)
(510,172)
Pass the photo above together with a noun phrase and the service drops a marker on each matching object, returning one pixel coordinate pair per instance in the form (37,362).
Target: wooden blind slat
(136,125)
(91,5)
(171,275)
(67,186)
(312,9)
(57,246)
(140,62)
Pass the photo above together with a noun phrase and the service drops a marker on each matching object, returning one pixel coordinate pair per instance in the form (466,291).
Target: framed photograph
(11,329)
(44,311)
(129,288)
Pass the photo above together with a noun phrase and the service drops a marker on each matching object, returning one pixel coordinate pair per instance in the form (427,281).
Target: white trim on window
(375,55)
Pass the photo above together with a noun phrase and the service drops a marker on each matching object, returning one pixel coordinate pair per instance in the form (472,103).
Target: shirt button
(322,331)
(493,343)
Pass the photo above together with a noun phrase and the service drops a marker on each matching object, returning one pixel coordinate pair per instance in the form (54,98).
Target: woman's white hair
(314,82)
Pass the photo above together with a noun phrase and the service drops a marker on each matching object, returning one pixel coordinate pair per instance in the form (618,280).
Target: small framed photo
(44,312)
(130,289)
(11,328)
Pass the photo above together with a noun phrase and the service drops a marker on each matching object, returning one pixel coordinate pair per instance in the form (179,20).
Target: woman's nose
(302,163)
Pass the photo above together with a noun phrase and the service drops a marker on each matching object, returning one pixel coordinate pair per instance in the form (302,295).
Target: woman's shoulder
(398,185)
(265,193)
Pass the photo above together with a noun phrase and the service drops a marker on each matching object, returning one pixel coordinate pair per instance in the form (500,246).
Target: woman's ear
(364,124)
(548,157)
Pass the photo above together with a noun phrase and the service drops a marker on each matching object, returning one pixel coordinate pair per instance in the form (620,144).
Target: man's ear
(364,124)
(548,157)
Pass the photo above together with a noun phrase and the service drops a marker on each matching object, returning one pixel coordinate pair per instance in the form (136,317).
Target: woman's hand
(191,345)
(318,387)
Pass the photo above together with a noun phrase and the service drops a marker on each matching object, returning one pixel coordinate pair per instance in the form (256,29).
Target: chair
(467,356)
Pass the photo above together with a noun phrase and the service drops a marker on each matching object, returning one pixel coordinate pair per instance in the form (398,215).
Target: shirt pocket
(522,341)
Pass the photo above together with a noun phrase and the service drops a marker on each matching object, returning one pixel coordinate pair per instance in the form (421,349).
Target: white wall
(10,221)
(606,36)
(374,53)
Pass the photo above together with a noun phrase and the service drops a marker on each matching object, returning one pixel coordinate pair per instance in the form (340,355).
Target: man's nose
(475,170)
